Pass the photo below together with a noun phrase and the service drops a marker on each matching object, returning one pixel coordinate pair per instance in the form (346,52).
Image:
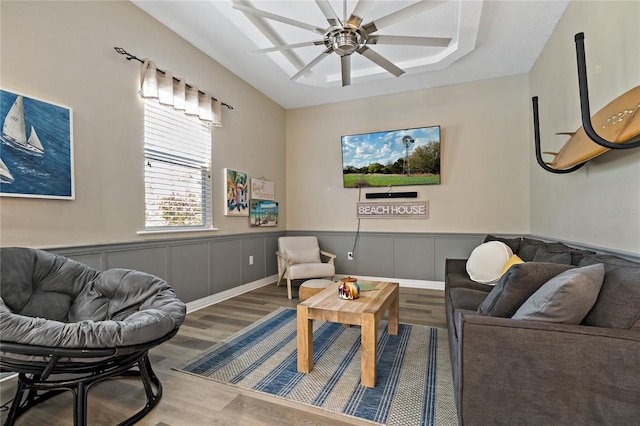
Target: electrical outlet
(250,260)
(350,255)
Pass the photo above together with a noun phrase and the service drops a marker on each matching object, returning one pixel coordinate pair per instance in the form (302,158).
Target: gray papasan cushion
(52,301)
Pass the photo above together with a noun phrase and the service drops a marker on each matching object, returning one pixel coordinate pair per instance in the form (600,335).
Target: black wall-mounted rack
(585,114)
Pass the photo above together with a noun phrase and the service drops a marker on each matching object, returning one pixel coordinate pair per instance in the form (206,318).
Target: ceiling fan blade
(401,14)
(409,41)
(289,46)
(272,16)
(380,60)
(345,62)
(329,13)
(312,64)
(358,13)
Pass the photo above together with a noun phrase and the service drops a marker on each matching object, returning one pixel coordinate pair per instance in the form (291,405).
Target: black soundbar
(392,195)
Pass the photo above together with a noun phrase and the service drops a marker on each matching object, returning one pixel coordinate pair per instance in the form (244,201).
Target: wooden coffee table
(365,312)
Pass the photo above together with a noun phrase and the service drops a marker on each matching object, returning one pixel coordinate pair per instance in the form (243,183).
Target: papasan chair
(65,326)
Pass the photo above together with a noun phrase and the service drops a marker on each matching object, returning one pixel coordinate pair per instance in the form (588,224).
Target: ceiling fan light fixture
(348,36)
(345,42)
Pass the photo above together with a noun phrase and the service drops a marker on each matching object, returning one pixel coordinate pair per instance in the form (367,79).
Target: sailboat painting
(36,149)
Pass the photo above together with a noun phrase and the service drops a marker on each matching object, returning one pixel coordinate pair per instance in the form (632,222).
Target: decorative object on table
(348,288)
(414,384)
(36,159)
(263,213)
(366,286)
(262,189)
(236,193)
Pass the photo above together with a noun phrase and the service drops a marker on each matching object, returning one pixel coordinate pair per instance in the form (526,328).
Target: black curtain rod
(129,57)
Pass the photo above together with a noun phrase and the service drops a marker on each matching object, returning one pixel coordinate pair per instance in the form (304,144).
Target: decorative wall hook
(584,103)
(536,134)
(618,120)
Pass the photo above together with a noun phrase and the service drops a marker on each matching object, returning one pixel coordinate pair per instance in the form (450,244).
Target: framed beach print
(36,149)
(263,213)
(237,193)
(262,189)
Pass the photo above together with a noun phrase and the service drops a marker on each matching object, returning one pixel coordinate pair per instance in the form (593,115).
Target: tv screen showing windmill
(392,158)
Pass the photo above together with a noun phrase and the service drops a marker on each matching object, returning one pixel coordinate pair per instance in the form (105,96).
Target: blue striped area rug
(414,385)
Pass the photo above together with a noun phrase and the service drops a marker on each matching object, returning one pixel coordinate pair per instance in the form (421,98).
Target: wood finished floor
(190,400)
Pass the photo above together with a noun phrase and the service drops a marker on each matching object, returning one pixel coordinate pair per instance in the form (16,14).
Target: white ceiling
(489,39)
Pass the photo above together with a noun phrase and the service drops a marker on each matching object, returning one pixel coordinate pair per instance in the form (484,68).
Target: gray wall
(194,267)
(200,267)
(411,256)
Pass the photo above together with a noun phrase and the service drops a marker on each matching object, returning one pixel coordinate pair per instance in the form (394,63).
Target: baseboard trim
(228,294)
(245,288)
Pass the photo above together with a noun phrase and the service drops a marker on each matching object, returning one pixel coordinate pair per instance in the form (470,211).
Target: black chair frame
(78,373)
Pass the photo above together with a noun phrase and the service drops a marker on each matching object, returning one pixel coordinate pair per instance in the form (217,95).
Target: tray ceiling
(488,39)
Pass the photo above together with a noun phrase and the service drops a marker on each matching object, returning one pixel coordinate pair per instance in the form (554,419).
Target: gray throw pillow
(516,286)
(528,248)
(618,304)
(565,298)
(545,255)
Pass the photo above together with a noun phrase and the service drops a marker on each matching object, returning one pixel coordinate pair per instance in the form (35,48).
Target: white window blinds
(177,169)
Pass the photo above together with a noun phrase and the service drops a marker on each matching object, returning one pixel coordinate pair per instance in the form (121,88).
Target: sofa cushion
(544,254)
(565,298)
(461,298)
(516,286)
(51,301)
(618,305)
(466,298)
(528,249)
(513,243)
(461,279)
(530,246)
(549,252)
(486,261)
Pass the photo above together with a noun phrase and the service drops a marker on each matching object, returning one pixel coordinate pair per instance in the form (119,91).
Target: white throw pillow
(487,260)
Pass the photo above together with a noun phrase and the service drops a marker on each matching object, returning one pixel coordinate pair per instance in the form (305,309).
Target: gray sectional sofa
(525,372)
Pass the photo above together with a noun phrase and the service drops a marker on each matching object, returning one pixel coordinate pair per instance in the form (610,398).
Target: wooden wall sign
(393,210)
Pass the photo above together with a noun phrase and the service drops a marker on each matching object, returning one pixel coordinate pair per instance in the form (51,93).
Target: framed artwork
(263,213)
(36,150)
(237,193)
(262,189)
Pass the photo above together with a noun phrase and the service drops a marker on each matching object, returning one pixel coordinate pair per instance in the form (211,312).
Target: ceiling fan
(347,36)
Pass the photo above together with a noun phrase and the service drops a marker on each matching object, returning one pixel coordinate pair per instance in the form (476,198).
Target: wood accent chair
(300,258)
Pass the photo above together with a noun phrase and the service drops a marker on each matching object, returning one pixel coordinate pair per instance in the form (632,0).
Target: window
(177,149)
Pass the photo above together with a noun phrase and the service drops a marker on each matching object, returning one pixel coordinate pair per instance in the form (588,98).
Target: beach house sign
(393,210)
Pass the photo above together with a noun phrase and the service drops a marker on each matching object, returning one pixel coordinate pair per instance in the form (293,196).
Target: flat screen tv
(392,158)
